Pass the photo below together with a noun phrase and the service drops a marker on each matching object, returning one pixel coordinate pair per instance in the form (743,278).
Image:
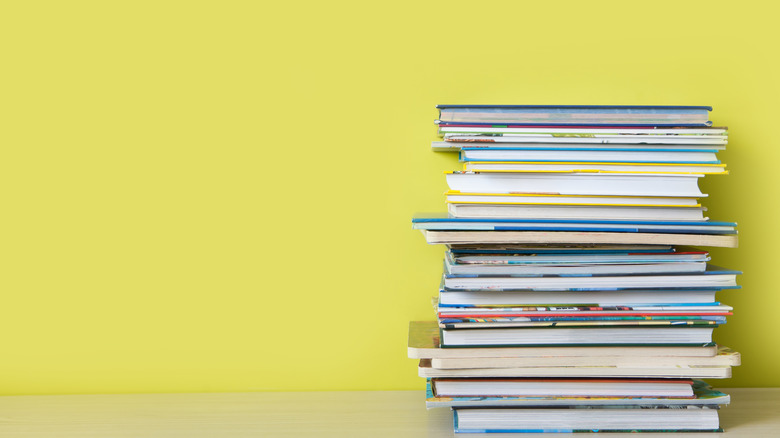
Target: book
(725,357)
(424,343)
(492,387)
(573,211)
(577,183)
(578,258)
(650,134)
(530,198)
(545,248)
(582,155)
(425,370)
(453,269)
(612,115)
(453,144)
(704,395)
(712,277)
(595,166)
(588,419)
(526,237)
(449,223)
(581,225)
(581,321)
(576,336)
(622,140)
(553,311)
(601,298)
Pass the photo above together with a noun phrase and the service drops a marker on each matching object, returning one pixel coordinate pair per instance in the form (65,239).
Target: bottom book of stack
(572,389)
(574,418)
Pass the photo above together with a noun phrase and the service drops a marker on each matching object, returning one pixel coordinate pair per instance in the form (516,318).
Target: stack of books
(574,297)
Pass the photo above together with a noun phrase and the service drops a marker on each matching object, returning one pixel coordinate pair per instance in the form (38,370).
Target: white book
(519,198)
(554,211)
(574,183)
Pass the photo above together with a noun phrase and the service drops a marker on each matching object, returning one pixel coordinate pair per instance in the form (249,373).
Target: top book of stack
(576,115)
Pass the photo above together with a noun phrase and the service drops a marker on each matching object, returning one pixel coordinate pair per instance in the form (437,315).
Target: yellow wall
(216,196)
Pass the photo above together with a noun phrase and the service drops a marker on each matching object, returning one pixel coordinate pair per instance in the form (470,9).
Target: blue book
(443,222)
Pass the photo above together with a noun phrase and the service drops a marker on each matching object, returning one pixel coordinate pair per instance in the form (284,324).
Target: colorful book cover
(704,395)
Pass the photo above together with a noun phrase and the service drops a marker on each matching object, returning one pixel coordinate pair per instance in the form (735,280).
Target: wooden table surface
(754,412)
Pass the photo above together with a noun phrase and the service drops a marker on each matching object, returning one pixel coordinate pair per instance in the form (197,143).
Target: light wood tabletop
(754,412)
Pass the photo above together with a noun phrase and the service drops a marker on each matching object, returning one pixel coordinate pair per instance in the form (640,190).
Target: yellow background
(216,196)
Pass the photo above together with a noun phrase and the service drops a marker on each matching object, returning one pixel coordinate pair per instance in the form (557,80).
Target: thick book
(424,343)
(588,419)
(573,115)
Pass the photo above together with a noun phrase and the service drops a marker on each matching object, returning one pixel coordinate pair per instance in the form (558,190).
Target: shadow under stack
(576,295)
